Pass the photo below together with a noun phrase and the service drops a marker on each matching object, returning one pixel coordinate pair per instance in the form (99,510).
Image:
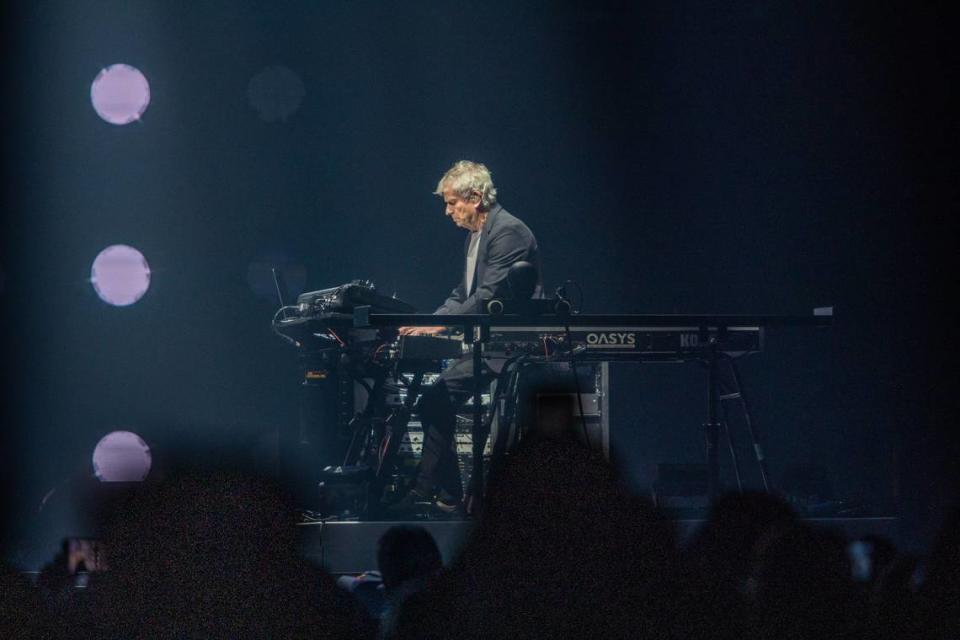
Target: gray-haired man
(496,241)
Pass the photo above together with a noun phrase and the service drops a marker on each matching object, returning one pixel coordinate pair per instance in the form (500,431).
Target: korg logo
(611,340)
(689,340)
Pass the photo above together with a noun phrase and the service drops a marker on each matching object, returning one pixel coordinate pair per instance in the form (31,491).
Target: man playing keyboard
(496,240)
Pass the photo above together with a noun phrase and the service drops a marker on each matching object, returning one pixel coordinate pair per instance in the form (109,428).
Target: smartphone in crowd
(860,553)
(83,555)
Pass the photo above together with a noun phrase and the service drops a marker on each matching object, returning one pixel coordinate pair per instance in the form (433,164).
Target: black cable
(507,393)
(579,307)
(275,328)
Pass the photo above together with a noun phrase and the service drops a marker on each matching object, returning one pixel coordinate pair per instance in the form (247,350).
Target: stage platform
(350,547)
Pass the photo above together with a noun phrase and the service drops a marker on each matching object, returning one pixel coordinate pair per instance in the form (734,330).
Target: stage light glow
(276,93)
(120,275)
(121,456)
(120,94)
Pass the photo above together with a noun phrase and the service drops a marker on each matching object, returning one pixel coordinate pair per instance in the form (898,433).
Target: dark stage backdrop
(676,157)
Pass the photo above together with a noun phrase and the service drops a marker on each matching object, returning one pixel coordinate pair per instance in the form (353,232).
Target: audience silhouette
(209,555)
(561,550)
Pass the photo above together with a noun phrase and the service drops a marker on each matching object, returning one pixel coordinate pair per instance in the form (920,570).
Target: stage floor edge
(351,547)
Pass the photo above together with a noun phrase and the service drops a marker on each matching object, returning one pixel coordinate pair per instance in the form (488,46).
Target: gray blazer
(504,241)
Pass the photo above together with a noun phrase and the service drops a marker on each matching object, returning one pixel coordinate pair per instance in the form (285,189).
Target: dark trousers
(438,407)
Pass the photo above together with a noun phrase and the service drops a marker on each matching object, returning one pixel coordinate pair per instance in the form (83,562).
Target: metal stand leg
(362,424)
(717,397)
(507,431)
(733,450)
(712,428)
(735,393)
(473,501)
(394,430)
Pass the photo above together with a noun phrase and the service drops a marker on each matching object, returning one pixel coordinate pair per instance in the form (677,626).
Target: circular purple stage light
(120,94)
(120,275)
(121,456)
(276,93)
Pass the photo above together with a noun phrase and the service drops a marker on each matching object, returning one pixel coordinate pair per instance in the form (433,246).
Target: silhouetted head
(941,587)
(723,547)
(800,585)
(216,553)
(405,553)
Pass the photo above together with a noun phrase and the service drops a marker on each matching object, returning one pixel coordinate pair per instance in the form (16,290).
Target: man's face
(463,212)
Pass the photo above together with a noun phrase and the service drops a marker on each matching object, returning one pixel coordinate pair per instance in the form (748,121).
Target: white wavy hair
(465,177)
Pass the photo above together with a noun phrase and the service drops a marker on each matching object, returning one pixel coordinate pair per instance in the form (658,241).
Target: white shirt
(472,259)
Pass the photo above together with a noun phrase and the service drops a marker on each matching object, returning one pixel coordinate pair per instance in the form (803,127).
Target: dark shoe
(448,506)
(409,506)
(447,503)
